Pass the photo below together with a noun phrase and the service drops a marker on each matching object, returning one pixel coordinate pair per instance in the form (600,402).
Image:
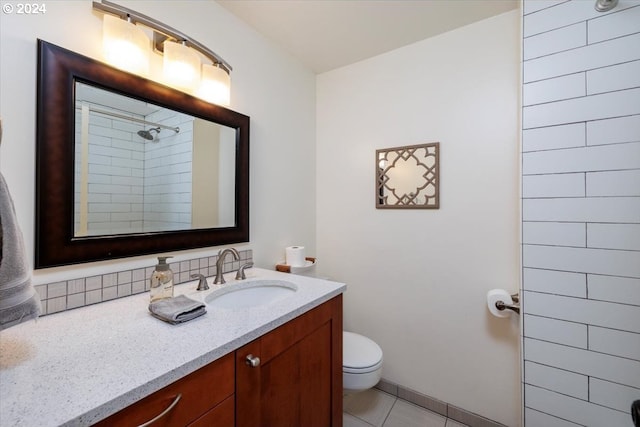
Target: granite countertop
(77,367)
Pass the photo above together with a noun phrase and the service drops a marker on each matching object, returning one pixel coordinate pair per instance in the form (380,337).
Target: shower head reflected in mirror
(605,5)
(146,134)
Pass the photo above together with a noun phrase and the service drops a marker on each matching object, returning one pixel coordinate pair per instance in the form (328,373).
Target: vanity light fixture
(125,45)
(215,84)
(181,66)
(185,59)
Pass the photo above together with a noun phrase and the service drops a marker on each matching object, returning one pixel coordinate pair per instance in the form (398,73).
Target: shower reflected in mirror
(148,135)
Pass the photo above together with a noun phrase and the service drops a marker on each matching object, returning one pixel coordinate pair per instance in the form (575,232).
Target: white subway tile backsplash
(616,51)
(584,159)
(614,131)
(554,137)
(554,233)
(615,77)
(555,282)
(618,343)
(580,310)
(614,236)
(617,24)
(533,418)
(566,407)
(593,107)
(624,290)
(615,396)
(555,41)
(553,185)
(614,183)
(589,209)
(596,261)
(603,366)
(557,331)
(555,89)
(562,381)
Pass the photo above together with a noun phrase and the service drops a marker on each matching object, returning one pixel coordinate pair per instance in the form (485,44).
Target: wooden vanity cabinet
(297,382)
(298,378)
(206,395)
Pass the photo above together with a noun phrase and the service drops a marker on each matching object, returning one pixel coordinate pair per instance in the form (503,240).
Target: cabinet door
(298,381)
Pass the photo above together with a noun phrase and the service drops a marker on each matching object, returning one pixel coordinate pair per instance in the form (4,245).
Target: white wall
(581,213)
(417,279)
(277,93)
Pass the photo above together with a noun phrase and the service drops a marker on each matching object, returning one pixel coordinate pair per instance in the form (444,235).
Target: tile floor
(379,409)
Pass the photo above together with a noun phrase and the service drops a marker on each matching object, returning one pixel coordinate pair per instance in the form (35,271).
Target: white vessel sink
(250,294)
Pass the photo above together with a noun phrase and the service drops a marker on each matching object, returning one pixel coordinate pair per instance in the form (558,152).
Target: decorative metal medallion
(408,177)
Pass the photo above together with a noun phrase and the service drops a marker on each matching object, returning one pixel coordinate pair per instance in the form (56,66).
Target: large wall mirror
(126,166)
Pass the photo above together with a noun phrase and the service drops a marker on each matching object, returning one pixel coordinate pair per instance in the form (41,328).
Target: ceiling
(328,34)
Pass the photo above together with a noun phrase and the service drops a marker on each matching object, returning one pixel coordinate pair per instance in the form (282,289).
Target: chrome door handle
(253,361)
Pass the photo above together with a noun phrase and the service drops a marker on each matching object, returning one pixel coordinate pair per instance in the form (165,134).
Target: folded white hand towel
(177,309)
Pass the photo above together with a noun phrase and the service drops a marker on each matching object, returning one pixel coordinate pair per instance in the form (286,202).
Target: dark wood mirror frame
(55,244)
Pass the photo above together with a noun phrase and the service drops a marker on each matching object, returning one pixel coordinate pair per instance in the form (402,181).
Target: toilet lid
(359,352)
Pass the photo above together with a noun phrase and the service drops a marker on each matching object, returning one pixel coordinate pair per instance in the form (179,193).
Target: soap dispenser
(161,280)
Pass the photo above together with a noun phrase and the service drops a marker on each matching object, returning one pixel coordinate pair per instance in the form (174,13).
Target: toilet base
(354,383)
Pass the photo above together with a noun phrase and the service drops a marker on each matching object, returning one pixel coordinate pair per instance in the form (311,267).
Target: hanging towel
(18,299)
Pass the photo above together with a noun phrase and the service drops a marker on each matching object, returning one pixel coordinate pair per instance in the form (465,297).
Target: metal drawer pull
(253,361)
(165,412)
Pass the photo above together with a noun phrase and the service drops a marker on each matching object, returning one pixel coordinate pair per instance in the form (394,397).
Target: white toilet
(361,363)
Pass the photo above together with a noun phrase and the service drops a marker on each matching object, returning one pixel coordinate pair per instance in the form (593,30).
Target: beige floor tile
(452,423)
(371,406)
(351,421)
(404,414)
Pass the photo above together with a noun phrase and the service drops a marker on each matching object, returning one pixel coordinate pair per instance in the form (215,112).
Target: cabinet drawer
(200,391)
(222,415)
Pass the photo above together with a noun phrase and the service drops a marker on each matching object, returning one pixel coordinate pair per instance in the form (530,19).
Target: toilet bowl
(361,363)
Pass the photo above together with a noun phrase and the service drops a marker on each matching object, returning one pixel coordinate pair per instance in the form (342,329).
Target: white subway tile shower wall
(581,213)
(133,184)
(69,294)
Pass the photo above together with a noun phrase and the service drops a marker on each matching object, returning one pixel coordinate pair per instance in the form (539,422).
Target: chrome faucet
(240,274)
(221,255)
(202,282)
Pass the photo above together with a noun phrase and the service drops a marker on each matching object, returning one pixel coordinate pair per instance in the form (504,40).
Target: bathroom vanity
(113,364)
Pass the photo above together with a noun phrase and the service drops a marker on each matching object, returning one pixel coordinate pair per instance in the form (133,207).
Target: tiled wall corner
(74,293)
(580,213)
